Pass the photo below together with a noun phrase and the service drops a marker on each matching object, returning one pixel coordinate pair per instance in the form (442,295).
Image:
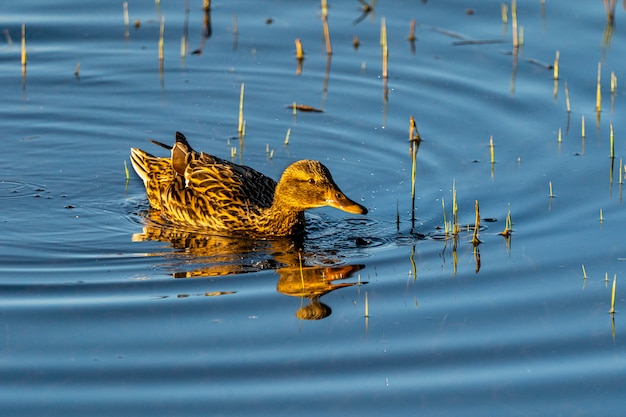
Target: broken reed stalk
(612,140)
(455,210)
(240,126)
(161,35)
(413,174)
(582,126)
(508,224)
(601,216)
(514,23)
(299,50)
(613,82)
(598,90)
(287,136)
(126,171)
(412,31)
(621,177)
(329,48)
(559,137)
(491,150)
(126,20)
(612,310)
(367,306)
(556,65)
(505,13)
(383,44)
(414,134)
(77,69)
(551,194)
(445,221)
(23,47)
(475,240)
(567,98)
(584,272)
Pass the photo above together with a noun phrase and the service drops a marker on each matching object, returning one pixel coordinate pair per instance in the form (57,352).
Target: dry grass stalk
(367,306)
(491,150)
(77,69)
(559,137)
(505,13)
(569,109)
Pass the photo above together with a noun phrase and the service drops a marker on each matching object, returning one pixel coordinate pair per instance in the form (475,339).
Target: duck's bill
(341,202)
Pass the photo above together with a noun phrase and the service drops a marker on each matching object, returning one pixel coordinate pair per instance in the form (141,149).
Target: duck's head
(308,184)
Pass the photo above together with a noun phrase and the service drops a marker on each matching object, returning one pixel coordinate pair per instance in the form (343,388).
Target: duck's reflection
(212,256)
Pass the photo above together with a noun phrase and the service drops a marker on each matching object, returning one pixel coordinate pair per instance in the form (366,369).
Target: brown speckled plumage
(203,192)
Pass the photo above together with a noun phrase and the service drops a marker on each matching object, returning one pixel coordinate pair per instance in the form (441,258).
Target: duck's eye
(311,181)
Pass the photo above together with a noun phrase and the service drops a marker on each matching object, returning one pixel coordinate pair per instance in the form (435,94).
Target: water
(104,313)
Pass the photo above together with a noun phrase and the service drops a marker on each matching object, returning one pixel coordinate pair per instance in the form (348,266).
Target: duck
(202,192)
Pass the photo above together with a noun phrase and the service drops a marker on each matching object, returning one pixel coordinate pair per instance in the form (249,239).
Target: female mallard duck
(207,193)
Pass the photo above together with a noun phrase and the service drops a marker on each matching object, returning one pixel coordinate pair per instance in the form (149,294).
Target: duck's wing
(228,184)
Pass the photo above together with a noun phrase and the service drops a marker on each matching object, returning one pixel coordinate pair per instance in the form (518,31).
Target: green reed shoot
(584,272)
(126,171)
(491,150)
(612,310)
(240,126)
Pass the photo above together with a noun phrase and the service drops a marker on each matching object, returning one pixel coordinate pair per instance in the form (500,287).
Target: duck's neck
(280,220)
